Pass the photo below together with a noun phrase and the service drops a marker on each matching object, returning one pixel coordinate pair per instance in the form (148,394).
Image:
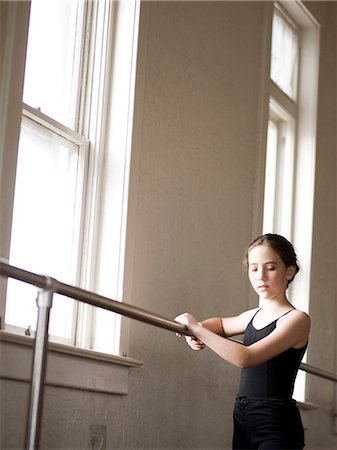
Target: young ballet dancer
(275,340)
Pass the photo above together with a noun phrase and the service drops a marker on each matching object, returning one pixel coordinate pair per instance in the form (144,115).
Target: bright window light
(270,177)
(45,202)
(70,204)
(284,55)
(53,58)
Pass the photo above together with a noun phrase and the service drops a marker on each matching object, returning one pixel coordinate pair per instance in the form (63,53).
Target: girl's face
(267,272)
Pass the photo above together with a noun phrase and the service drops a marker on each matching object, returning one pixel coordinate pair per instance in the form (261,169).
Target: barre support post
(44,303)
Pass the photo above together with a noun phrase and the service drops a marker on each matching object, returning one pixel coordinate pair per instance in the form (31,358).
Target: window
(77,77)
(50,170)
(290,152)
(284,54)
(54,52)
(46,221)
(278,196)
(283,107)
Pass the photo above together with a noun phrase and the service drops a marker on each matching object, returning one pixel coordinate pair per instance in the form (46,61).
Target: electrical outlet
(97,439)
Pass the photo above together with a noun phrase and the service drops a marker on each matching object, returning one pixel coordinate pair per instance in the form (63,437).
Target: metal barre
(133,312)
(48,286)
(51,284)
(319,372)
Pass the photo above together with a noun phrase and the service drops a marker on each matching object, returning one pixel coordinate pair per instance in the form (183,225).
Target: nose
(261,274)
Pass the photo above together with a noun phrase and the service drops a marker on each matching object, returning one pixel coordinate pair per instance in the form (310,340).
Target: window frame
(82,144)
(110,83)
(303,112)
(279,219)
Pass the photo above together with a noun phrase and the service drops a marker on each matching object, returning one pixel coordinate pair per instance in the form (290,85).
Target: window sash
(19,293)
(54,58)
(284,54)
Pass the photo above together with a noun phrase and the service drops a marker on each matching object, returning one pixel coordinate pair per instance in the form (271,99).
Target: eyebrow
(268,262)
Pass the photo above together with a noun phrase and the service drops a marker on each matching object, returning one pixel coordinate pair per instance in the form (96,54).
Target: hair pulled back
(280,245)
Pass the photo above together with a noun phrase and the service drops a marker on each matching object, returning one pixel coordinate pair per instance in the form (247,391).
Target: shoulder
(292,330)
(295,318)
(298,315)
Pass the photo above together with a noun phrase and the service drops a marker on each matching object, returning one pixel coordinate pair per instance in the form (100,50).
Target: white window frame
(109,132)
(280,173)
(293,212)
(107,127)
(83,148)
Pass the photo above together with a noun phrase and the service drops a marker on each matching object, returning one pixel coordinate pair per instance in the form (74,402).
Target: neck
(274,303)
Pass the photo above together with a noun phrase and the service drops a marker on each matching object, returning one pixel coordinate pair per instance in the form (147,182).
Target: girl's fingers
(194,343)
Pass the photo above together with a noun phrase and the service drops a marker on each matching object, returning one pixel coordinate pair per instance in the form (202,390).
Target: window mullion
(280,97)
(52,125)
(92,123)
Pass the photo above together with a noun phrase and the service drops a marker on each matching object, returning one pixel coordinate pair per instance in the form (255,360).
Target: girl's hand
(190,322)
(194,343)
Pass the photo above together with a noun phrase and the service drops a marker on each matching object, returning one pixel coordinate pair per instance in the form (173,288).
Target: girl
(275,339)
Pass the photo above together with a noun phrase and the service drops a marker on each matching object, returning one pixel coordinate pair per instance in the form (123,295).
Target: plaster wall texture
(195,176)
(323,303)
(192,208)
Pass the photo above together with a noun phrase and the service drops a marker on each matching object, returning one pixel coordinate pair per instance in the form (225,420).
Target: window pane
(284,56)
(45,226)
(270,178)
(53,58)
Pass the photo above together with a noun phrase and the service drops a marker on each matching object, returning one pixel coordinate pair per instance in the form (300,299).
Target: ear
(291,272)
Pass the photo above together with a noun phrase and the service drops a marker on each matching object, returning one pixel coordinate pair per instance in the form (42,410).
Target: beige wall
(191,207)
(323,307)
(194,204)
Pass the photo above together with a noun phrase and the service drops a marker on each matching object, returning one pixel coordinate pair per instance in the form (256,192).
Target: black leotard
(273,378)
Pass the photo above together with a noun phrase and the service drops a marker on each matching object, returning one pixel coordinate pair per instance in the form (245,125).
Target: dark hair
(280,245)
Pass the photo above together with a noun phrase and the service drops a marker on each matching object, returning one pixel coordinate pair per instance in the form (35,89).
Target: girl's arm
(291,331)
(226,327)
(229,326)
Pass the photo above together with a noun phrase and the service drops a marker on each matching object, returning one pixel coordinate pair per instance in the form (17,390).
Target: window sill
(67,366)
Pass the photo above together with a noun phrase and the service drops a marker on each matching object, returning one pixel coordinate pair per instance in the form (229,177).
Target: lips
(263,287)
